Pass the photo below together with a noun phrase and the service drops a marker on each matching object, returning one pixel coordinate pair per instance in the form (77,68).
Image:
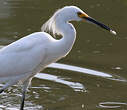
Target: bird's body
(23,56)
(29,55)
(22,59)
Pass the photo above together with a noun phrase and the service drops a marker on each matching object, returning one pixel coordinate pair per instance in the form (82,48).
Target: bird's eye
(79,13)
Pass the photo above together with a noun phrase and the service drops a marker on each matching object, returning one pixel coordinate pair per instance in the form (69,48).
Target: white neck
(64,45)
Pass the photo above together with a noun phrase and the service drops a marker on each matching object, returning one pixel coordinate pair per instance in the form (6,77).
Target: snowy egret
(22,59)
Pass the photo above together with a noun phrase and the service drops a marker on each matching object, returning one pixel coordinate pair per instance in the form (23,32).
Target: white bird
(24,58)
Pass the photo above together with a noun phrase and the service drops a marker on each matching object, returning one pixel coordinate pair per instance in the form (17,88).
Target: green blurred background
(94,48)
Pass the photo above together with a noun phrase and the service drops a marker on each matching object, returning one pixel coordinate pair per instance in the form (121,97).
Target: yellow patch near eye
(81,15)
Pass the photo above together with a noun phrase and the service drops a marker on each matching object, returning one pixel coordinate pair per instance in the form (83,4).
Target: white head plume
(68,13)
(50,25)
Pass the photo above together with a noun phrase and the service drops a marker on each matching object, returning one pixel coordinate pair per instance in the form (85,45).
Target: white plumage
(23,56)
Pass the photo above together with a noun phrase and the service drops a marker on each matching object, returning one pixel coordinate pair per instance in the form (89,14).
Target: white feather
(50,25)
(66,14)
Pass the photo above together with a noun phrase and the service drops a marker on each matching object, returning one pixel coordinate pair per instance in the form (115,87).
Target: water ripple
(75,85)
(112,104)
(87,71)
(79,69)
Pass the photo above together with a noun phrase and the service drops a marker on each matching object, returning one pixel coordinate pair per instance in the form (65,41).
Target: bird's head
(71,13)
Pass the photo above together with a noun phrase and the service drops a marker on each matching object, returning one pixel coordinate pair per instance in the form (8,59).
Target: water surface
(94,74)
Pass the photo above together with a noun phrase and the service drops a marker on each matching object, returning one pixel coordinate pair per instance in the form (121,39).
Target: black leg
(23,99)
(2,90)
(8,84)
(25,86)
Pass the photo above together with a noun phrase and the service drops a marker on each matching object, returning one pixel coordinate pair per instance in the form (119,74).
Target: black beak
(89,19)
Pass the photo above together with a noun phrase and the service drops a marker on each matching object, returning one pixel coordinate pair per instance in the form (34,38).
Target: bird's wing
(22,56)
